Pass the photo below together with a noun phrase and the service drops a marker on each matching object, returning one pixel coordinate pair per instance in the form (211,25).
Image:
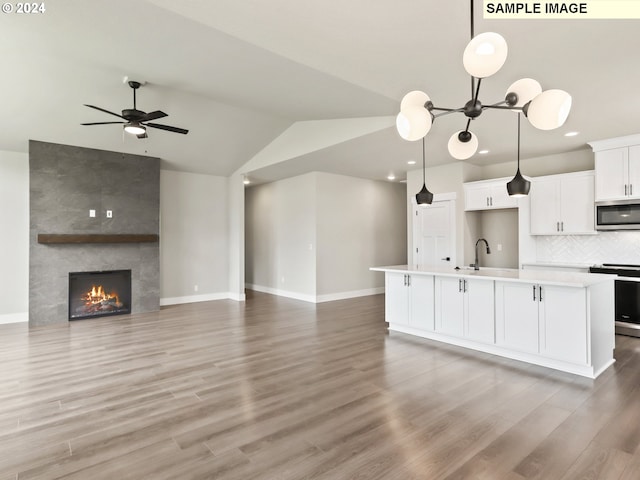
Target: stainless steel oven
(627,296)
(618,215)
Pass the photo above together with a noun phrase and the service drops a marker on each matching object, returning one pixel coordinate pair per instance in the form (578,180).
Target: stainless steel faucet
(476,265)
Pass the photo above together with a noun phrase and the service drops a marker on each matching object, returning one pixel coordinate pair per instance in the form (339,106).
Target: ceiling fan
(137,121)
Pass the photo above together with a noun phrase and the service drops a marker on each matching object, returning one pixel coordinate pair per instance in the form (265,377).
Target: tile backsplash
(605,247)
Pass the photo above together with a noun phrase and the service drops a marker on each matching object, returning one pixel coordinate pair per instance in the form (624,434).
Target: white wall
(575,161)
(498,227)
(280,237)
(315,236)
(360,224)
(14,239)
(194,240)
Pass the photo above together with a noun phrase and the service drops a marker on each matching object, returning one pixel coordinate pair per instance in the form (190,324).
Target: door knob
(447,259)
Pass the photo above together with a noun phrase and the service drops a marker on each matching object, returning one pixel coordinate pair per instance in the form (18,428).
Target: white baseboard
(207,297)
(281,293)
(329,297)
(273,291)
(238,297)
(21,317)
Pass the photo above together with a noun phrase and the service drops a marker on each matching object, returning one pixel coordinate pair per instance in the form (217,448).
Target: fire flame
(98,295)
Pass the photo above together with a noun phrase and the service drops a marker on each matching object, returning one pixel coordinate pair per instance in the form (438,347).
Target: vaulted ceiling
(239,73)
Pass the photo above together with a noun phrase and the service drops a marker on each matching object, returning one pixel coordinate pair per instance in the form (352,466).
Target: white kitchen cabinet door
(397,298)
(563,332)
(480,319)
(421,302)
(500,196)
(449,306)
(477,197)
(517,316)
(488,195)
(545,206)
(577,204)
(612,174)
(634,172)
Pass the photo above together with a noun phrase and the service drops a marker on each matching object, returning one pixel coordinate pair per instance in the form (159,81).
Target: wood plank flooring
(282,389)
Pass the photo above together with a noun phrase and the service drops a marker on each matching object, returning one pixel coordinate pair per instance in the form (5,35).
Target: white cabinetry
(488,195)
(563,204)
(544,319)
(464,308)
(563,333)
(409,300)
(561,320)
(618,173)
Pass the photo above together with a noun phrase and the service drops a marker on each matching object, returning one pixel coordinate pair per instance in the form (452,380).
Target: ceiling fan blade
(153,116)
(105,111)
(103,123)
(168,128)
(143,135)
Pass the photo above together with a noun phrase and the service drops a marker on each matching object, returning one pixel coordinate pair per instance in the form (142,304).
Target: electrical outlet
(109,214)
(195,288)
(92,213)
(499,247)
(282,280)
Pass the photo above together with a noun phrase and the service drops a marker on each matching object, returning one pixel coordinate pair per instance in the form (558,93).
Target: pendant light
(484,56)
(518,186)
(424,196)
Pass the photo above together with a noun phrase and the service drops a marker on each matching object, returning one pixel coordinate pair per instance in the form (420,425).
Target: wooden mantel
(54,238)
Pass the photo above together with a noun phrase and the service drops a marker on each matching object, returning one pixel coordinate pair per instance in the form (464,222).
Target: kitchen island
(560,320)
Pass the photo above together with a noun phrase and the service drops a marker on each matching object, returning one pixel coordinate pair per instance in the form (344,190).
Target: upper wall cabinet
(488,195)
(563,204)
(617,163)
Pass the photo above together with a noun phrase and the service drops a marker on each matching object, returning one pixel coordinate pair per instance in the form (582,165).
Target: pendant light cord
(424,181)
(472,29)
(518,140)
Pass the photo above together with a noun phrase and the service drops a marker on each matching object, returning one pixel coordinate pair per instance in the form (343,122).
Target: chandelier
(484,55)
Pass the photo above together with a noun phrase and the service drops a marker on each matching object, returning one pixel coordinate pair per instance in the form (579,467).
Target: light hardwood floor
(282,389)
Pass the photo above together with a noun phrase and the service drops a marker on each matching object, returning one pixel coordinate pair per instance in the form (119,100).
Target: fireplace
(98,294)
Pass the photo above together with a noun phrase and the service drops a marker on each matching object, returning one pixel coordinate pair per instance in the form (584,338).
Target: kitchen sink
(467,269)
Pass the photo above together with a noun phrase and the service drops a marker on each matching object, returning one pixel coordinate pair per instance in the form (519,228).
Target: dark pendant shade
(519,186)
(424,196)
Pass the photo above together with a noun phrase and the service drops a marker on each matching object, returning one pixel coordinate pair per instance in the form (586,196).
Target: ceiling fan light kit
(137,121)
(134,128)
(484,55)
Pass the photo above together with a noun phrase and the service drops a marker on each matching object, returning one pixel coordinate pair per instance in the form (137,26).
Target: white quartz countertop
(558,265)
(545,277)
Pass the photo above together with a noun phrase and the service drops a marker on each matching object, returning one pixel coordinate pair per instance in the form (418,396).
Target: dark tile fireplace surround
(67,182)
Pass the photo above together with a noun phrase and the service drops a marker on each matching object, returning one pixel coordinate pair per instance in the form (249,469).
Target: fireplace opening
(98,294)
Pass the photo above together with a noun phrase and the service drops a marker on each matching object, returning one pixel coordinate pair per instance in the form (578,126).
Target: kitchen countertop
(547,277)
(558,265)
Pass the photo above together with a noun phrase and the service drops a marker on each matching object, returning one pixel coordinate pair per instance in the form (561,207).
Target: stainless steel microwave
(618,215)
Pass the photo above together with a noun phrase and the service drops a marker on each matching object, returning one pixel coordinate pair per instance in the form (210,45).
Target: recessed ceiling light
(571,134)
(391,177)
(411,162)
(483,152)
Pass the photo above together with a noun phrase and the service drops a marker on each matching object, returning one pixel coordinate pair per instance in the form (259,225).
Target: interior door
(434,233)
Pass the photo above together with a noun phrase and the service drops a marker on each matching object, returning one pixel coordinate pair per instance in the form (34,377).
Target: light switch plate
(109,214)
(92,213)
